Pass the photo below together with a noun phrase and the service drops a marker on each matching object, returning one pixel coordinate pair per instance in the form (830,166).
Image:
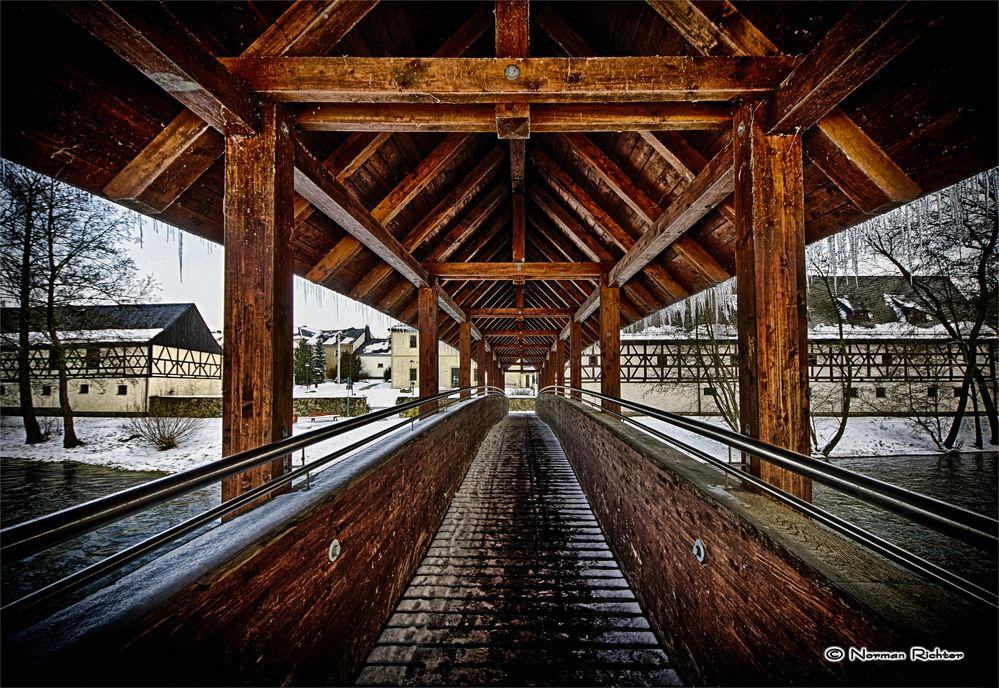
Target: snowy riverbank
(106,444)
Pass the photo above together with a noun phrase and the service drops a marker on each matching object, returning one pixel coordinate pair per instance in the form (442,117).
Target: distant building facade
(347,340)
(117,358)
(376,357)
(898,359)
(406,360)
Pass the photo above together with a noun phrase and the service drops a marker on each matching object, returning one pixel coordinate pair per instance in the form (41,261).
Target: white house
(117,357)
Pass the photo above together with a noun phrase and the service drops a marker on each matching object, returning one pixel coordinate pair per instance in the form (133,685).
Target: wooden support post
(257,366)
(610,343)
(428,345)
(559,363)
(480,365)
(465,356)
(576,357)
(770,266)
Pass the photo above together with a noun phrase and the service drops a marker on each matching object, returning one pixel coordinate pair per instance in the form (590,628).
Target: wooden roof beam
(483,80)
(511,271)
(315,182)
(404,192)
(867,38)
(177,157)
(836,145)
(473,220)
(473,118)
(513,120)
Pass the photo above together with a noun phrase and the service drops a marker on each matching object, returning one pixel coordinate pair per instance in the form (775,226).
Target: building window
(931,392)
(381,365)
(880,392)
(3,390)
(122,390)
(46,390)
(593,360)
(92,357)
(412,341)
(886,359)
(455,377)
(854,393)
(662,360)
(84,388)
(709,391)
(412,374)
(813,359)
(957,392)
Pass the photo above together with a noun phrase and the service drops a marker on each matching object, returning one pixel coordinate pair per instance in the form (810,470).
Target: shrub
(161,431)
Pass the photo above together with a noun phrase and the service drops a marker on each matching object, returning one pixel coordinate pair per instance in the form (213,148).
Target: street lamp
(412,378)
(339,336)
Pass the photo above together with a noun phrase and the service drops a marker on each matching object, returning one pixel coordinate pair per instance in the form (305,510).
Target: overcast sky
(201,280)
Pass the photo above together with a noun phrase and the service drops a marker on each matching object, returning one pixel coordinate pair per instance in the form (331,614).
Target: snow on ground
(106,442)
(874,436)
(379,393)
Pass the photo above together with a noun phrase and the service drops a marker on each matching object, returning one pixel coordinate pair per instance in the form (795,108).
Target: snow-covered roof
(88,336)
(377,347)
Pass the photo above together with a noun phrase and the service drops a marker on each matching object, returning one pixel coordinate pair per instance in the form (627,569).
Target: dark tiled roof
(862,300)
(128,317)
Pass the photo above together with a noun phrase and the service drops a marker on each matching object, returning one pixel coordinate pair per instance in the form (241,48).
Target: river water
(32,488)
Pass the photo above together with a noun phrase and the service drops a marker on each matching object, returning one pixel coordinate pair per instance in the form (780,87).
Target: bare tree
(953,233)
(22,203)
(77,253)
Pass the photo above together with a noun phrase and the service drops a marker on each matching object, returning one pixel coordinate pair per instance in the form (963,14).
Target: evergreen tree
(304,372)
(350,366)
(319,363)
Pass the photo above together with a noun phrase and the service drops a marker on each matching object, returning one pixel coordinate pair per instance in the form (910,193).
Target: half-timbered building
(116,357)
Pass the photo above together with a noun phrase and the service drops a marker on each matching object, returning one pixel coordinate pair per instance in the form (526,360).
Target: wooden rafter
(314,182)
(404,192)
(837,145)
(855,49)
(712,185)
(483,80)
(520,333)
(444,212)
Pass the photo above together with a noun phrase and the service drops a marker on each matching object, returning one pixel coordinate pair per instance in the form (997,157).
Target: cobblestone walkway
(519,586)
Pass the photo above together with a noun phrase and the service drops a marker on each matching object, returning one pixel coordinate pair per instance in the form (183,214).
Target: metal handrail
(27,538)
(953,520)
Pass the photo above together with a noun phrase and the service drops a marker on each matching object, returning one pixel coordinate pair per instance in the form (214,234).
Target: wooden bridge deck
(519,586)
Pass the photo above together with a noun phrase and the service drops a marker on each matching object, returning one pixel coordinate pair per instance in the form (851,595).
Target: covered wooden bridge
(519,179)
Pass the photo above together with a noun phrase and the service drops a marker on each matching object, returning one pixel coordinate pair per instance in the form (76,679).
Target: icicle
(180,255)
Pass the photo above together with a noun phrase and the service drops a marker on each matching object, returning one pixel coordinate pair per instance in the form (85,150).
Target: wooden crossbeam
(177,157)
(509,271)
(836,145)
(519,313)
(520,333)
(404,192)
(867,38)
(314,182)
(484,80)
(711,186)
(472,118)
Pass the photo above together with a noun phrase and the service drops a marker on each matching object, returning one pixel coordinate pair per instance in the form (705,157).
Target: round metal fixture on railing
(699,552)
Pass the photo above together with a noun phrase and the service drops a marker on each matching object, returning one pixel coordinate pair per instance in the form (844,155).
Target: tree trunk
(989,404)
(962,402)
(32,431)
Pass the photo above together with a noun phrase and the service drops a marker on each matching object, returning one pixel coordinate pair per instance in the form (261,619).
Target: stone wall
(266,599)
(774,590)
(211,407)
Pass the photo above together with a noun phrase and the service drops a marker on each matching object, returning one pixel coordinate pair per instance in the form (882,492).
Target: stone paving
(519,586)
